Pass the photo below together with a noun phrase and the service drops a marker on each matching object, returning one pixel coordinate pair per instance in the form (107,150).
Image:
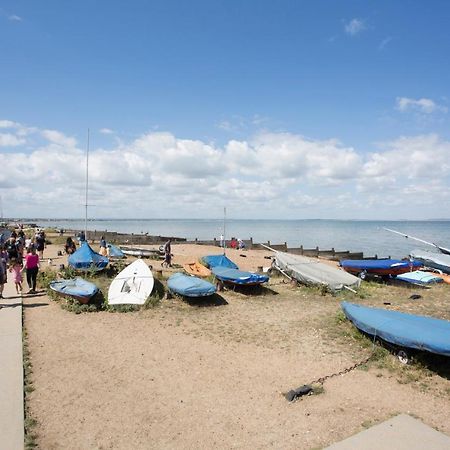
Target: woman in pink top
(32,266)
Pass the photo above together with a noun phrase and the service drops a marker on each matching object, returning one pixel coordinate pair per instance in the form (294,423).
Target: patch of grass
(29,421)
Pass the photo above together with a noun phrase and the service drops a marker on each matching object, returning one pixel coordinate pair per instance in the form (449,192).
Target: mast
(87,187)
(224,229)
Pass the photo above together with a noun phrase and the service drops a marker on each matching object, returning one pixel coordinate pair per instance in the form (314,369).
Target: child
(16,269)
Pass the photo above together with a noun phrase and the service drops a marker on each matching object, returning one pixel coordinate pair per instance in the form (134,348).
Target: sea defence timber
(146,239)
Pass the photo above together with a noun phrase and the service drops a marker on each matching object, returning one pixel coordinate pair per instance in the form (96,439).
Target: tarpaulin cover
(190,286)
(312,272)
(377,264)
(432,259)
(236,276)
(419,277)
(404,330)
(115,252)
(218,260)
(76,287)
(86,259)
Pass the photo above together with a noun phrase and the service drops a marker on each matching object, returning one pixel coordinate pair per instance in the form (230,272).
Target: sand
(191,376)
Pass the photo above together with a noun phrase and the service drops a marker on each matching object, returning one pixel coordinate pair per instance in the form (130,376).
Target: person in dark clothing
(70,246)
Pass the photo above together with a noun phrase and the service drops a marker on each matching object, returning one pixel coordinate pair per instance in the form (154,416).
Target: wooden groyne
(146,239)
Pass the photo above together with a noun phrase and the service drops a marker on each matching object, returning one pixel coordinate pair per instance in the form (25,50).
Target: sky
(275,110)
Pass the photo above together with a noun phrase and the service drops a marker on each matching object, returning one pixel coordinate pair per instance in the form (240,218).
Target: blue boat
(77,288)
(189,286)
(115,252)
(419,277)
(382,267)
(238,277)
(401,329)
(86,259)
(218,260)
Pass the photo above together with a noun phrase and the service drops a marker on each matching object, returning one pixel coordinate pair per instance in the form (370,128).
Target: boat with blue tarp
(401,329)
(190,286)
(87,259)
(76,288)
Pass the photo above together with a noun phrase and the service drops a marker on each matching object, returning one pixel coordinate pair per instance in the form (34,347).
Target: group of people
(237,244)
(20,253)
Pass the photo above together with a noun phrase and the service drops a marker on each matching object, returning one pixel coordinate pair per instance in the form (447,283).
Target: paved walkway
(402,432)
(11,371)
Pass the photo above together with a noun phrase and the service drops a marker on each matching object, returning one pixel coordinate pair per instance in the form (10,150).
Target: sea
(366,236)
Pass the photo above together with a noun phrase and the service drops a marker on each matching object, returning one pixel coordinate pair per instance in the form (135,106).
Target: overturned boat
(312,272)
(435,260)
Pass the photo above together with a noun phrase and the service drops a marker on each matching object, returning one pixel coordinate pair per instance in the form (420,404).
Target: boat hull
(381,267)
(238,277)
(437,261)
(190,286)
(76,288)
(197,269)
(401,329)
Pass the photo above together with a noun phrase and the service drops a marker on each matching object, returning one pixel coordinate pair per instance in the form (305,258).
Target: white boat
(132,286)
(312,272)
(139,252)
(435,260)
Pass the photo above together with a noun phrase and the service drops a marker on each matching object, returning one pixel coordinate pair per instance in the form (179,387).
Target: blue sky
(364,74)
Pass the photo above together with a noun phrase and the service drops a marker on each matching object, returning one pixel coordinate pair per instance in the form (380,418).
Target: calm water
(366,236)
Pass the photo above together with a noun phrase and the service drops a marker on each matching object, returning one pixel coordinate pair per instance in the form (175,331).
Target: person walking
(3,269)
(40,243)
(16,269)
(167,254)
(32,267)
(103,247)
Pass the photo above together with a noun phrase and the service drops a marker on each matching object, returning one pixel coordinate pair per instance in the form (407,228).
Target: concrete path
(11,370)
(402,432)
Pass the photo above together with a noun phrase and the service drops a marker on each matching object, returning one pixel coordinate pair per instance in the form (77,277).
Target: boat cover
(310,271)
(240,277)
(196,269)
(218,260)
(190,286)
(86,259)
(76,287)
(405,330)
(419,277)
(432,259)
(115,252)
(379,264)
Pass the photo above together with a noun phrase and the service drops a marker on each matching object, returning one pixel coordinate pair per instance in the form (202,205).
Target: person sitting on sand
(70,246)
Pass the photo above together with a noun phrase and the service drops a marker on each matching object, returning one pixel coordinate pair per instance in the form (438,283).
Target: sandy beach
(211,375)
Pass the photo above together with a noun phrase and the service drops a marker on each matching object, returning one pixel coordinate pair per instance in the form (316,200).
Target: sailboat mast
(87,187)
(224,229)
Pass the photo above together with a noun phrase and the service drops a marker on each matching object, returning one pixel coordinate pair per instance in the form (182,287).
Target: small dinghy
(86,259)
(401,329)
(437,261)
(238,277)
(419,278)
(218,260)
(139,252)
(76,288)
(132,286)
(381,267)
(189,286)
(197,269)
(115,252)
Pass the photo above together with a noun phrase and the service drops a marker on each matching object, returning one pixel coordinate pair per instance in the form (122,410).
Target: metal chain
(322,380)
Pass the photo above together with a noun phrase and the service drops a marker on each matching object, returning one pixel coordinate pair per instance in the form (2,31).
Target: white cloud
(106,131)
(58,138)
(354,27)
(422,105)
(15,18)
(10,140)
(269,175)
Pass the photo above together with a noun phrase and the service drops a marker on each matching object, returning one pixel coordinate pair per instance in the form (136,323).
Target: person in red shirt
(32,267)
